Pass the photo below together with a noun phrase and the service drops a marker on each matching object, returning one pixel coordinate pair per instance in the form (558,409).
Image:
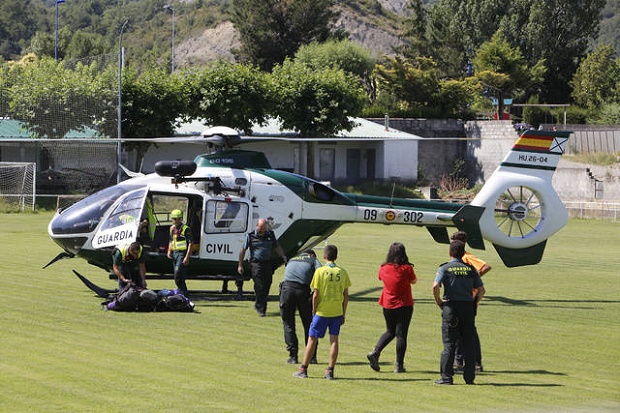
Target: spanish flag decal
(534,142)
(540,142)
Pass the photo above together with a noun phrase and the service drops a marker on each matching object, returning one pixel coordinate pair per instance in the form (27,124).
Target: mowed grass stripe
(549,336)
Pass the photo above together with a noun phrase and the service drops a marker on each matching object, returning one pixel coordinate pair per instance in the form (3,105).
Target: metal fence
(593,210)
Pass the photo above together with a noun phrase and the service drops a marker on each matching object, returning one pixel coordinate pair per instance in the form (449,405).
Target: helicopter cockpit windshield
(84,216)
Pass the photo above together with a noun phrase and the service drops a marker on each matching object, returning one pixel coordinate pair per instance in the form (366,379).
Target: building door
(327,167)
(371,159)
(353,166)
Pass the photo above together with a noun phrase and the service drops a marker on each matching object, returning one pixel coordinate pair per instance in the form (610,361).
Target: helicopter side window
(128,211)
(225,216)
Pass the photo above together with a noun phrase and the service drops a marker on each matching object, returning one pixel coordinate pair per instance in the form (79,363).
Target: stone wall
(487,144)
(438,152)
(573,181)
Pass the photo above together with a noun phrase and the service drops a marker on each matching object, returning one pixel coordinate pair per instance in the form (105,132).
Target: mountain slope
(378,33)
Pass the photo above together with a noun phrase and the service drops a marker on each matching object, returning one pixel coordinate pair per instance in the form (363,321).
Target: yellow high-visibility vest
(178,242)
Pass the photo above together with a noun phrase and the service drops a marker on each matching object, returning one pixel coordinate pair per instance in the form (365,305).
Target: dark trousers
(458,321)
(458,357)
(295,297)
(262,275)
(130,272)
(397,323)
(180,271)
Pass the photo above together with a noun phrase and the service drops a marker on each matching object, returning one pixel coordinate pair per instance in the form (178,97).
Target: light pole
(119,111)
(56,40)
(171,9)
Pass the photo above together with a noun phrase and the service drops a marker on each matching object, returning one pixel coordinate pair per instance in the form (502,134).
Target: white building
(369,151)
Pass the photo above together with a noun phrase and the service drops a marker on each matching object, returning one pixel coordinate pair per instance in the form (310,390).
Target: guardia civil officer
(261,242)
(295,295)
(458,307)
(180,249)
(482,267)
(128,265)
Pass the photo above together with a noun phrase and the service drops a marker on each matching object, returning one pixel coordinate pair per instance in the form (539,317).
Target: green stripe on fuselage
(403,203)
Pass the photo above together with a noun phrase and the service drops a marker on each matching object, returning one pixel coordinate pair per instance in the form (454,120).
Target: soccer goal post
(17,186)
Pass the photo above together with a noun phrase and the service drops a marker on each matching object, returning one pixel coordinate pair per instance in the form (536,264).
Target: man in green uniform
(128,265)
(179,249)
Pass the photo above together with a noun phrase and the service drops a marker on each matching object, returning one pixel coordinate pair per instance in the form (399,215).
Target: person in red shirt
(396,299)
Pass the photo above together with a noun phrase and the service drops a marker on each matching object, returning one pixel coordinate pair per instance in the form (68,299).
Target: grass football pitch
(550,335)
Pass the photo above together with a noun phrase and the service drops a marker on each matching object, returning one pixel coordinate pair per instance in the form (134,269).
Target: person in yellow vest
(128,265)
(180,249)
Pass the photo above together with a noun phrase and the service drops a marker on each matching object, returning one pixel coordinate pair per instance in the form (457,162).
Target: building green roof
(15,129)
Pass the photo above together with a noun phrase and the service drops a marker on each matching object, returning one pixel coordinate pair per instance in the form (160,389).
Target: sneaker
(292,360)
(443,381)
(301,373)
(399,369)
(479,367)
(373,358)
(458,367)
(329,374)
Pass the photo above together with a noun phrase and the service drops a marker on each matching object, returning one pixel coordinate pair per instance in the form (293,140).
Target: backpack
(148,300)
(175,302)
(125,300)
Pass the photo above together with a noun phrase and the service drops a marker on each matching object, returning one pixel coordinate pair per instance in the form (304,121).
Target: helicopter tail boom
(517,209)
(522,209)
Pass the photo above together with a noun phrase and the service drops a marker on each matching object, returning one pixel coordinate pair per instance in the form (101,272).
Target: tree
(272,30)
(340,54)
(414,31)
(17,24)
(316,103)
(457,27)
(414,82)
(597,80)
(227,94)
(52,100)
(503,69)
(152,102)
(556,31)
(456,97)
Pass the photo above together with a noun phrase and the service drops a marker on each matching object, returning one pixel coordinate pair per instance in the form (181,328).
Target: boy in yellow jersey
(482,267)
(330,297)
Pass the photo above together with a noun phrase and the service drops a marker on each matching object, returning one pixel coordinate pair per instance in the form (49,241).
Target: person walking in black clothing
(458,308)
(295,295)
(261,242)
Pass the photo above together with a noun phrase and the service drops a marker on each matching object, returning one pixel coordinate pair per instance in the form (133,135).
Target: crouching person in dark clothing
(458,308)
(128,265)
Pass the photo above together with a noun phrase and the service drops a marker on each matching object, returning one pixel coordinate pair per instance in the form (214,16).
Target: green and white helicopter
(223,194)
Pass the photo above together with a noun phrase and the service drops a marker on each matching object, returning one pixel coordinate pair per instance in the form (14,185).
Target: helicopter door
(225,225)
(121,225)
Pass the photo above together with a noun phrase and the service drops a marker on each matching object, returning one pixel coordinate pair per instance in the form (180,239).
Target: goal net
(17,186)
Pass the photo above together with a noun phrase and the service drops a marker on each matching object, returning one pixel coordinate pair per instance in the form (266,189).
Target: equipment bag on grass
(125,300)
(175,302)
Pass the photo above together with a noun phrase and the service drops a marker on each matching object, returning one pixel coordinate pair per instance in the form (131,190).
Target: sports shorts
(319,326)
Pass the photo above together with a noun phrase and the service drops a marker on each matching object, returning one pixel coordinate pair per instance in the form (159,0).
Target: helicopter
(223,194)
